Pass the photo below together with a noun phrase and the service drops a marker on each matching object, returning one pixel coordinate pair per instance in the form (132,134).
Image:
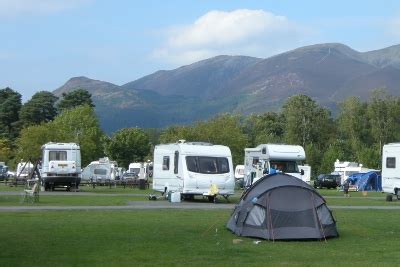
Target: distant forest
(357,133)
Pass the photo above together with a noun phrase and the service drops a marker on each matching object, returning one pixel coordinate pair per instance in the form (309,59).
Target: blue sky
(46,42)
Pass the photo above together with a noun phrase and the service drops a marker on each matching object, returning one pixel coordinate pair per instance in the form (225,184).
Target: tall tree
(79,125)
(78,97)
(264,128)
(384,114)
(224,129)
(306,122)
(128,145)
(40,108)
(353,126)
(10,105)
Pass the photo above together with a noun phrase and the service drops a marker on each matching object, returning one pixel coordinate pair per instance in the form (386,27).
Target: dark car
(327,180)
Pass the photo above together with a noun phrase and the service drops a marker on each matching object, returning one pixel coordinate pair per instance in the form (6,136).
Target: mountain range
(328,73)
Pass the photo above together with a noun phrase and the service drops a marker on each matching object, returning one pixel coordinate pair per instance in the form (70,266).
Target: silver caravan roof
(279,151)
(64,146)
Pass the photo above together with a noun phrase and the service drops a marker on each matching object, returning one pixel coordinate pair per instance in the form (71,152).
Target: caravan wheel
(389,198)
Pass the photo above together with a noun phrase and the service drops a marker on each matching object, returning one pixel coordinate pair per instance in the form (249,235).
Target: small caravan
(61,165)
(23,169)
(193,168)
(100,171)
(391,170)
(283,158)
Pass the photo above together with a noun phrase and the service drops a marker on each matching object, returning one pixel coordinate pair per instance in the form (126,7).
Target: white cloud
(12,8)
(241,32)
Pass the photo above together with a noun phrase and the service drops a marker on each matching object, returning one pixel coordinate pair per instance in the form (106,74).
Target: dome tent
(282,207)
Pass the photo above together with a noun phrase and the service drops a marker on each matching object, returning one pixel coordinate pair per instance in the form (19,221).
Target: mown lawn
(186,237)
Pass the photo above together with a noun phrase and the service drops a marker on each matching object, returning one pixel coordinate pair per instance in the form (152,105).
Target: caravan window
(100,171)
(165,165)
(176,160)
(57,155)
(207,165)
(255,160)
(391,162)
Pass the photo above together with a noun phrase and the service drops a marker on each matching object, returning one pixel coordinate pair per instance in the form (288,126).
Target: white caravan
(193,168)
(61,165)
(391,170)
(346,168)
(305,171)
(23,169)
(283,158)
(100,171)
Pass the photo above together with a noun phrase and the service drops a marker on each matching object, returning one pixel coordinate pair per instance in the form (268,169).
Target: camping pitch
(282,207)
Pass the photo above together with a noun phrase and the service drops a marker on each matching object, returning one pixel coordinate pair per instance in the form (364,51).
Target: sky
(44,43)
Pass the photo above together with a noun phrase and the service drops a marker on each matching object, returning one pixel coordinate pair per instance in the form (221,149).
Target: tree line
(356,133)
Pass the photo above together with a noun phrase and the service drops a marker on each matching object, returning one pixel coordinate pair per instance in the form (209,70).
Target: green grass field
(184,237)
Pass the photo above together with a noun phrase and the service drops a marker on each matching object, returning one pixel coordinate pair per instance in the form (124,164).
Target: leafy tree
(5,150)
(225,130)
(31,140)
(78,97)
(353,126)
(40,108)
(128,145)
(384,114)
(264,128)
(306,122)
(80,125)
(77,125)
(174,133)
(10,105)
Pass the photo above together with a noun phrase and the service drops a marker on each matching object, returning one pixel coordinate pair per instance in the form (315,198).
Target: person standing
(346,187)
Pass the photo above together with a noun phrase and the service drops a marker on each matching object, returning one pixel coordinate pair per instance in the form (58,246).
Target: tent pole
(270,218)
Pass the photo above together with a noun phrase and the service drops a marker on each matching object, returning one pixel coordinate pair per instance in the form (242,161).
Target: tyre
(389,198)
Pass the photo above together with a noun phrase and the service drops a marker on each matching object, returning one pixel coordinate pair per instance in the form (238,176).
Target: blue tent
(370,181)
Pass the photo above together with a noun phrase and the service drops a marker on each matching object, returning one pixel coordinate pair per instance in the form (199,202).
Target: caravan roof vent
(181,141)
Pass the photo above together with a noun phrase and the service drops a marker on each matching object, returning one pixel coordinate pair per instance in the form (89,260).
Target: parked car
(327,180)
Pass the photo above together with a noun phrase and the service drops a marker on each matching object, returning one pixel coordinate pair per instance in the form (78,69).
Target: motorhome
(101,171)
(61,165)
(346,168)
(391,170)
(281,157)
(193,168)
(23,169)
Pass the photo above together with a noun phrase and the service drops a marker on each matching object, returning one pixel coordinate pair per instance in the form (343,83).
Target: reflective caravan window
(57,155)
(176,160)
(391,162)
(209,165)
(165,165)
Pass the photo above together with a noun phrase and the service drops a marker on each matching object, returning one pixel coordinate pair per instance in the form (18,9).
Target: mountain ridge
(328,73)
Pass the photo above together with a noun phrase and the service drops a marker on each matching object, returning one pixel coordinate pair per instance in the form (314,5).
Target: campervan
(280,157)
(100,171)
(61,165)
(193,168)
(346,168)
(391,170)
